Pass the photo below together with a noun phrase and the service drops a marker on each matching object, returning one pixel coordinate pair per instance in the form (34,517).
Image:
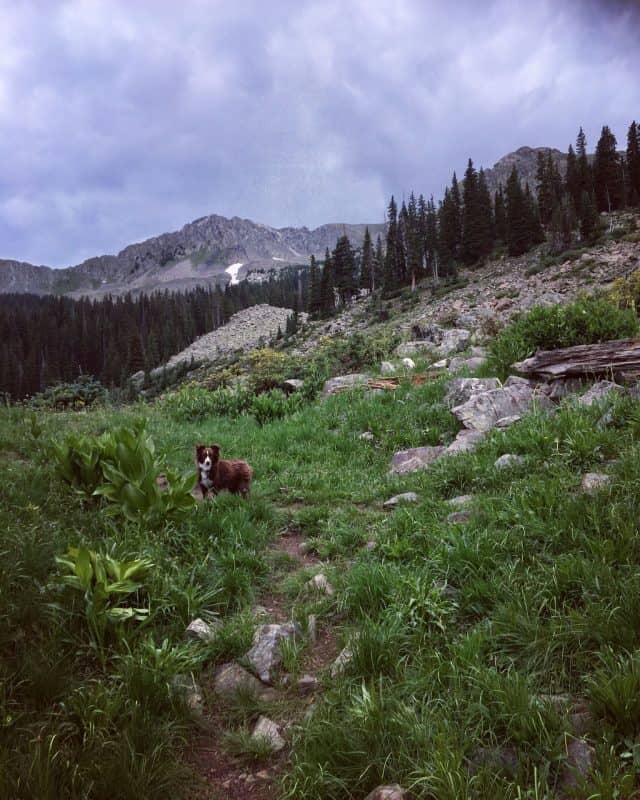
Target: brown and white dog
(215,473)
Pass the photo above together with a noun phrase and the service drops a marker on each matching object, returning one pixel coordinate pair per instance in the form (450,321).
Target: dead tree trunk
(619,360)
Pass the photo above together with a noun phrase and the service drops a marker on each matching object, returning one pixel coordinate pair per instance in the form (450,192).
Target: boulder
(367,436)
(509,460)
(461,500)
(470,364)
(408,363)
(202,631)
(496,759)
(599,392)
(405,497)
(579,763)
(464,441)
(459,517)
(483,410)
(321,585)
(391,791)
(307,684)
(459,390)
(265,655)
(186,686)
(231,678)
(594,482)
(405,461)
(453,340)
(413,348)
(267,731)
(343,658)
(343,382)
(292,385)
(387,368)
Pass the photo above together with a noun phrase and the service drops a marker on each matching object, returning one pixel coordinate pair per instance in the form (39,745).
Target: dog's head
(207,456)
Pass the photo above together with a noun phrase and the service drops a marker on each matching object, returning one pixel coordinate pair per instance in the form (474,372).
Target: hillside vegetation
(487,645)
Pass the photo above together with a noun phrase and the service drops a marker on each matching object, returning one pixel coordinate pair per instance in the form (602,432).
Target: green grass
(545,588)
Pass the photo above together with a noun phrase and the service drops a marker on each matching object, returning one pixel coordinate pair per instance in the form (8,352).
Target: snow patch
(233,270)
(276,258)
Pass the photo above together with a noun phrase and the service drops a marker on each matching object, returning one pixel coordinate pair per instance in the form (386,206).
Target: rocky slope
(200,253)
(525,160)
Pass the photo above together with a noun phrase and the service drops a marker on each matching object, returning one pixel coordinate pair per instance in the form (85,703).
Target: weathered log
(619,359)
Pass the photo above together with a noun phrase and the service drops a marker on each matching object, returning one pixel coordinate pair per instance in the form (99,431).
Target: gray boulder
(461,500)
(579,763)
(387,368)
(459,517)
(202,631)
(464,441)
(459,390)
(406,461)
(509,460)
(231,678)
(405,497)
(265,655)
(342,383)
(391,791)
(292,385)
(594,482)
(407,349)
(267,731)
(473,363)
(483,411)
(408,363)
(600,391)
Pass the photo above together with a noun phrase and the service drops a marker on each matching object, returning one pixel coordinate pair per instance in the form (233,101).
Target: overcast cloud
(122,119)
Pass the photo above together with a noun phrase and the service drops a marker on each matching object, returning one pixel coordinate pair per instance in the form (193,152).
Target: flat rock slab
(460,390)
(232,678)
(475,362)
(265,656)
(580,760)
(465,440)
(459,517)
(594,482)
(267,730)
(482,411)
(406,461)
(461,500)
(342,383)
(392,791)
(600,391)
(396,500)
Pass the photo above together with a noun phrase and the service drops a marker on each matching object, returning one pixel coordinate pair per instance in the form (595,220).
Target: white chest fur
(204,477)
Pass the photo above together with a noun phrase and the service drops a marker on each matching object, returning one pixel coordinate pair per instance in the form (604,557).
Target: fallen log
(618,360)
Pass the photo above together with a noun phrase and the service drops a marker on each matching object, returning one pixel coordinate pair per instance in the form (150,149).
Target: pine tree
(585,173)
(536,233)
(378,264)
(500,215)
(447,235)
(544,188)
(390,277)
(344,269)
(607,173)
(367,272)
(470,250)
(431,239)
(572,178)
(314,303)
(518,216)
(327,294)
(633,164)
(588,218)
(486,222)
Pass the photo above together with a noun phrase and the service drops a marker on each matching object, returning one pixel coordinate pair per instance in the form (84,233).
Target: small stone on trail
(319,583)
(307,684)
(405,497)
(267,730)
(202,631)
(459,517)
(387,368)
(367,436)
(579,763)
(265,655)
(231,678)
(389,792)
(461,500)
(408,363)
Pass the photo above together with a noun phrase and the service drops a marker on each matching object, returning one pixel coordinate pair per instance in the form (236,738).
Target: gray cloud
(121,120)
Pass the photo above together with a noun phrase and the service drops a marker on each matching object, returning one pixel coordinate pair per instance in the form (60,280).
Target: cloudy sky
(121,119)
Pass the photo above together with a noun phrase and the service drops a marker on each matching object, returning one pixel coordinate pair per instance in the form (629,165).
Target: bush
(274,405)
(193,402)
(587,321)
(79,394)
(270,368)
(625,292)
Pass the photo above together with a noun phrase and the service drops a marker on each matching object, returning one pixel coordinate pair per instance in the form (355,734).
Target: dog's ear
(216,451)
(199,449)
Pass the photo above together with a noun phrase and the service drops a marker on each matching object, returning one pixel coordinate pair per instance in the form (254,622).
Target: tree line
(46,340)
(469,224)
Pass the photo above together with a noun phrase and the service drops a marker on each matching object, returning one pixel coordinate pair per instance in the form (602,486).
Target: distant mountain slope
(525,160)
(198,254)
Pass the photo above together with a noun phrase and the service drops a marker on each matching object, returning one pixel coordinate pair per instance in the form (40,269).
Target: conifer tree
(431,239)
(391,267)
(588,217)
(518,216)
(585,173)
(378,265)
(447,234)
(327,294)
(486,222)
(470,249)
(344,269)
(500,215)
(367,277)
(314,303)
(572,178)
(633,164)
(607,173)
(544,188)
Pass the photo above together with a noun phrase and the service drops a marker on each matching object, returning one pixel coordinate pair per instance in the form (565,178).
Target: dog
(215,473)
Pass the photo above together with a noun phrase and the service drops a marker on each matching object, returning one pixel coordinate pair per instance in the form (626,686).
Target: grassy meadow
(476,645)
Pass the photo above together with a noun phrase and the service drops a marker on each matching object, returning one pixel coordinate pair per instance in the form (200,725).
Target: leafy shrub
(274,405)
(269,368)
(81,393)
(193,402)
(122,467)
(625,292)
(587,321)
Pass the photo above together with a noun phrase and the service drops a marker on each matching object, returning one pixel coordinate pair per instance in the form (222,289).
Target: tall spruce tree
(633,164)
(378,264)
(391,274)
(607,173)
(314,303)
(344,269)
(431,239)
(327,283)
(500,215)
(367,272)
(470,247)
(518,216)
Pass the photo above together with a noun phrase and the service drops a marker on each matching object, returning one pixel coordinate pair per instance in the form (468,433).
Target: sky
(123,119)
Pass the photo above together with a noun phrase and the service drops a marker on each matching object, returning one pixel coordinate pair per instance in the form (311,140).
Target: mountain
(200,253)
(525,159)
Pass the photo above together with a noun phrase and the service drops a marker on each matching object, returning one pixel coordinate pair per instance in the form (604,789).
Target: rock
(408,363)
(391,791)
(413,348)
(461,500)
(320,584)
(405,497)
(581,722)
(562,387)
(405,461)
(265,656)
(517,380)
(453,341)
(459,517)
(343,382)
(496,759)
(292,385)
(579,763)
(594,482)
(304,548)
(507,422)
(367,436)
(232,678)
(307,684)
(459,390)
(442,364)
(482,411)
(137,380)
(312,628)
(464,441)
(371,545)
(343,658)
(267,730)
(189,689)
(599,392)
(509,460)
(387,368)
(471,364)
(449,591)
(202,631)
